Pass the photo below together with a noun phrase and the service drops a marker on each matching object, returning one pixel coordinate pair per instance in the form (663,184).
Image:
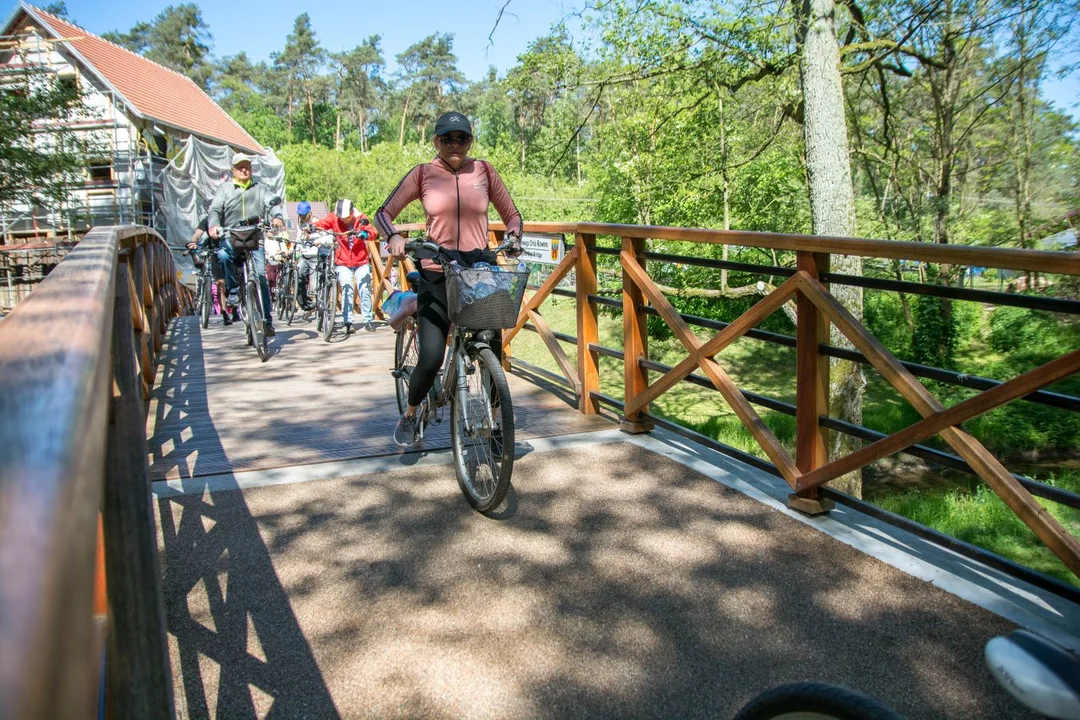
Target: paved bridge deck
(312,570)
(217,408)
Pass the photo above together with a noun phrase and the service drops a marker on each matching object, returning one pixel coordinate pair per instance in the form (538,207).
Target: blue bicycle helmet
(303,208)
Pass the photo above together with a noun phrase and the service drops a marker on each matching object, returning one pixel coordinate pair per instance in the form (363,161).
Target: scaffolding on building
(123,182)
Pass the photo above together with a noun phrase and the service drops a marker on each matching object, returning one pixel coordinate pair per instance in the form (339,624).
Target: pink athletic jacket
(455,203)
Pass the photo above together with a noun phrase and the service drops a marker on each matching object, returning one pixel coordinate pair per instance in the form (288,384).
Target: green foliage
(178,38)
(1012,328)
(934,339)
(982,519)
(321,174)
(883,315)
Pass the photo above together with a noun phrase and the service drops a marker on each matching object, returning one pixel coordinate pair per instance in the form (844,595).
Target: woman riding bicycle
(455,191)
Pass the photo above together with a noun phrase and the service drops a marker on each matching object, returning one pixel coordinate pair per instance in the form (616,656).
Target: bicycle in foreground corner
(480,301)
(1038,673)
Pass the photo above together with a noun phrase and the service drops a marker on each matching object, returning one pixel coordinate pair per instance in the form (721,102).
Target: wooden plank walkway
(216,408)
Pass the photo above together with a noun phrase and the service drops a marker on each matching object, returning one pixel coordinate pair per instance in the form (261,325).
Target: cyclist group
(455,191)
(236,202)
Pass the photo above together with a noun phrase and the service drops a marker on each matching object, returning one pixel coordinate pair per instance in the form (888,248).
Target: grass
(976,516)
(981,518)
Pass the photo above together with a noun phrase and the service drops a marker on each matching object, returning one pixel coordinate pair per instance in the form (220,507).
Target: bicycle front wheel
(406,353)
(482,433)
(204,303)
(279,297)
(330,309)
(814,701)
(257,319)
(290,295)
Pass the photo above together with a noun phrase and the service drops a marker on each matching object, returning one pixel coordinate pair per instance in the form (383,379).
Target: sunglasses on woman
(455,139)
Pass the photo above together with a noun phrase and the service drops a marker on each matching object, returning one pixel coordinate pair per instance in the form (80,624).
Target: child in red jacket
(351,259)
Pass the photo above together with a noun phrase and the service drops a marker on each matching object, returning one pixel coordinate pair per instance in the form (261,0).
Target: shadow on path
(236,647)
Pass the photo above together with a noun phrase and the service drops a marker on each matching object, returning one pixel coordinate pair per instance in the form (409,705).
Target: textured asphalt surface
(616,583)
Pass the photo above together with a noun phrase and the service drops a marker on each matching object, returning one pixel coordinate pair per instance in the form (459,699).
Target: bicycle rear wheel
(329,308)
(482,433)
(257,319)
(406,354)
(204,302)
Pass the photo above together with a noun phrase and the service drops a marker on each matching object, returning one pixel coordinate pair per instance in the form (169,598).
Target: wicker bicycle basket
(483,298)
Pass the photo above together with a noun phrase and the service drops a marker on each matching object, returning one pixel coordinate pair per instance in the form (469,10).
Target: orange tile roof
(151,90)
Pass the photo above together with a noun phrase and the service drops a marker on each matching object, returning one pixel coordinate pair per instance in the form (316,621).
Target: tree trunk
(311,117)
(832,202)
(1022,127)
(725,186)
(401,130)
(363,132)
(288,112)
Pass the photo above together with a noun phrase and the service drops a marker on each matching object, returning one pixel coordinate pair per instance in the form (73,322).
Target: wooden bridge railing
(76,368)
(817,309)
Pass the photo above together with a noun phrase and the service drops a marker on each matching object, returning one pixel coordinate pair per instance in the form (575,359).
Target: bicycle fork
(473,417)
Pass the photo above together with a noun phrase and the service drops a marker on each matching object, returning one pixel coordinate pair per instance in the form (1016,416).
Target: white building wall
(119,183)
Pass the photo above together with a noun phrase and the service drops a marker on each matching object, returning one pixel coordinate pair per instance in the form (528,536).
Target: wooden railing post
(588,331)
(635,340)
(138,680)
(812,389)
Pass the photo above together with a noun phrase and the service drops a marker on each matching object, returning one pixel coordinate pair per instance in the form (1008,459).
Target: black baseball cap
(452,121)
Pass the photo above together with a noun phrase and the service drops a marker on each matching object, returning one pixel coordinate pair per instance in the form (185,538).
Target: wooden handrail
(58,400)
(817,308)
(1047,261)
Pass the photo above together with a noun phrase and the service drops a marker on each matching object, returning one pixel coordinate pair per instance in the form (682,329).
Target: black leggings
(431,332)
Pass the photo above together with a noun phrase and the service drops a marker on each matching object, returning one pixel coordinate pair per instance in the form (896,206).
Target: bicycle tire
(204,303)
(814,701)
(482,493)
(290,295)
(258,320)
(405,348)
(279,298)
(330,309)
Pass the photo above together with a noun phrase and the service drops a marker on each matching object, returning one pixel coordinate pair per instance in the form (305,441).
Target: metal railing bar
(953,462)
(977,382)
(541,372)
(1042,397)
(722,264)
(561,336)
(993,297)
(1033,577)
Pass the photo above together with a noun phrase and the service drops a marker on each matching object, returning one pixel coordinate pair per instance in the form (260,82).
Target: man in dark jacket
(235,203)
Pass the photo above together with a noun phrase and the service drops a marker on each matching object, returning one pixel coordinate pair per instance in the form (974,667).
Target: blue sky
(261,27)
(341,26)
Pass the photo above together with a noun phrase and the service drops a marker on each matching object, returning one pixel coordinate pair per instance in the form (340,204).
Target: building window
(68,82)
(100,172)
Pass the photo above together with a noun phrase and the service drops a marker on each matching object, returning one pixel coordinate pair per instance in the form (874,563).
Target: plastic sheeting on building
(191,180)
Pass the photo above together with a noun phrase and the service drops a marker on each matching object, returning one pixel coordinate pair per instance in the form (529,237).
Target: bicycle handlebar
(427,245)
